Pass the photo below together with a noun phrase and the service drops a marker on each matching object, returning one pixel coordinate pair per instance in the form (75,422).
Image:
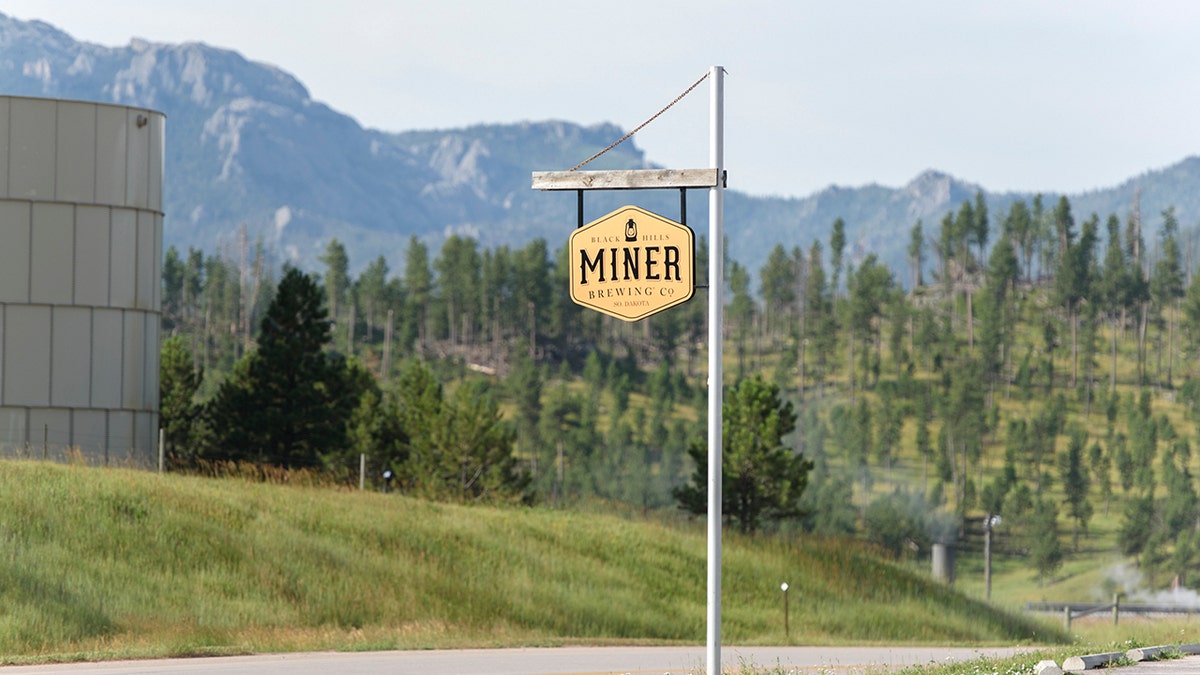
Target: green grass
(100,563)
(1093,636)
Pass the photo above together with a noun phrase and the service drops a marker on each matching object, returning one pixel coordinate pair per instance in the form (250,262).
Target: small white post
(362,471)
(716,285)
(162,444)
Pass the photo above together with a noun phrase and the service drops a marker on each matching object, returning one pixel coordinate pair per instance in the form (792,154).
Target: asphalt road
(548,661)
(1189,665)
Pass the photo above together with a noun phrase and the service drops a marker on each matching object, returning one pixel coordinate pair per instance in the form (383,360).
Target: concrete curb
(1151,653)
(1047,668)
(1147,653)
(1077,664)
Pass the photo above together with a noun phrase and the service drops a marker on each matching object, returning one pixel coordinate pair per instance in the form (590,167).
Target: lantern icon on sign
(631,230)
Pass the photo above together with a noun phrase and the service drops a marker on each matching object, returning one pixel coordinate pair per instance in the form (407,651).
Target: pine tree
(1045,549)
(1166,289)
(1114,289)
(1019,226)
(916,255)
(454,449)
(1075,483)
(474,450)
(837,250)
(180,415)
(741,312)
(337,275)
(524,385)
(371,292)
(172,287)
(777,287)
(288,402)
(761,478)
(458,283)
(418,282)
(1100,463)
(1137,525)
(532,291)
(820,324)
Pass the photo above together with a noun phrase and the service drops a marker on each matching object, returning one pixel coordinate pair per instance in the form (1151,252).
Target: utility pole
(716,285)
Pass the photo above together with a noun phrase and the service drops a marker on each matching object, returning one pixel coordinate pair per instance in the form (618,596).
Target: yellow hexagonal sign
(632,263)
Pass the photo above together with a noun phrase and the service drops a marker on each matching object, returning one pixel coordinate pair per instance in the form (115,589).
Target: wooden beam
(644,179)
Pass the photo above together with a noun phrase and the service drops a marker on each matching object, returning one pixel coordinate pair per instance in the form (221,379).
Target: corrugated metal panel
(92,255)
(111,134)
(27,355)
(106,359)
(75,160)
(52,271)
(71,357)
(31,156)
(14,251)
(80,263)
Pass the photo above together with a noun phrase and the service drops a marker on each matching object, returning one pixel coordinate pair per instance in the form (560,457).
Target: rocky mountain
(247,145)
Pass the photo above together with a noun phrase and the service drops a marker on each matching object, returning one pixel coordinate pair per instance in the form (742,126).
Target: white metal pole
(716,285)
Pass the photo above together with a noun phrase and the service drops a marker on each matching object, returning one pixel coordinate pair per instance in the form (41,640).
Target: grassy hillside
(106,562)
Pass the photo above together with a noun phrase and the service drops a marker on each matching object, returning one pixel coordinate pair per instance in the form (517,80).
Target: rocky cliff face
(247,145)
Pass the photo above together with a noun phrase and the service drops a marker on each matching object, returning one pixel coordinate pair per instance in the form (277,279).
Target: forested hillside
(1036,364)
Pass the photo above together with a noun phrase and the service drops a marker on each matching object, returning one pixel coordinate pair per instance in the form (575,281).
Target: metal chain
(643,124)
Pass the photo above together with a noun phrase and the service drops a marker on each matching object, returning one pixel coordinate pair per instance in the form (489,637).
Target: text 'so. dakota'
(632,263)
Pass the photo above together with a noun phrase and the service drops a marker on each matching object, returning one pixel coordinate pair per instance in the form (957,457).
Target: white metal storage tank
(81,228)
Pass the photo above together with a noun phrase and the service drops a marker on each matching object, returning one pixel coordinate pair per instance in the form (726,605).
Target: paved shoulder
(548,661)
(1188,665)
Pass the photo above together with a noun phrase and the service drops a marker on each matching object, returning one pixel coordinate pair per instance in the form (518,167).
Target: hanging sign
(632,263)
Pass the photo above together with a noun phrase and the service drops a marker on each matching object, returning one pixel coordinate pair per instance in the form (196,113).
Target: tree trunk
(1158,367)
(952,448)
(987,558)
(1050,370)
(911,334)
(1112,378)
(850,364)
(962,476)
(207,317)
(970,321)
(1007,372)
(879,353)
(1141,349)
(1074,318)
(532,332)
(421,330)
(562,471)
(800,348)
(1171,344)
(925,473)
(1089,376)
(385,364)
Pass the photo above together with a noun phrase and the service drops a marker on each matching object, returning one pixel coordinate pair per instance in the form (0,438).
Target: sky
(1019,95)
